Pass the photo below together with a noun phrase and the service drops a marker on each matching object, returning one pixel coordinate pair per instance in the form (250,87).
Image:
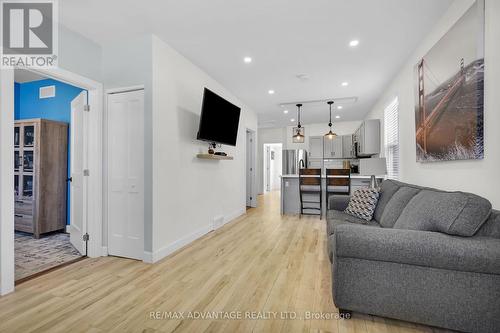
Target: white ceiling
(285,38)
(22,76)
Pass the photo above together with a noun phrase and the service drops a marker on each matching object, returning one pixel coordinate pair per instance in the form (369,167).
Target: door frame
(266,174)
(94,162)
(105,146)
(250,160)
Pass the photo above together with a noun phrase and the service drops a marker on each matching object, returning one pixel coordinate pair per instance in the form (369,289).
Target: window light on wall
(391,138)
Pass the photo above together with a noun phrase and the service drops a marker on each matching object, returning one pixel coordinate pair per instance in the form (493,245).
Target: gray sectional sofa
(428,256)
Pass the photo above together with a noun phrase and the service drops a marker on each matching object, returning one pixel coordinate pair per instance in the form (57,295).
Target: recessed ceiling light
(345,84)
(247,60)
(270,92)
(292,120)
(285,111)
(340,107)
(337,117)
(354,43)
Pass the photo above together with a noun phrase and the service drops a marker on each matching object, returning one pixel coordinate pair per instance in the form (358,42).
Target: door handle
(17,215)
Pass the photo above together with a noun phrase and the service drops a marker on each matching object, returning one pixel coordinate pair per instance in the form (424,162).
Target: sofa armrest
(421,248)
(338,202)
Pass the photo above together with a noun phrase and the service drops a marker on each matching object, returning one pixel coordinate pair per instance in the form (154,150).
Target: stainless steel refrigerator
(293,160)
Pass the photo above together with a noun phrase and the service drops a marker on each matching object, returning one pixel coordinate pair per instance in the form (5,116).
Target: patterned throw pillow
(363,203)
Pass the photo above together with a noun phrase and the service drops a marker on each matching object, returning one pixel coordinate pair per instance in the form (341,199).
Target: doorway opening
(48,151)
(272,166)
(86,217)
(251,191)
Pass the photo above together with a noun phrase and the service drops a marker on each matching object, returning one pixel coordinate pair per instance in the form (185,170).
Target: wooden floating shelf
(214,157)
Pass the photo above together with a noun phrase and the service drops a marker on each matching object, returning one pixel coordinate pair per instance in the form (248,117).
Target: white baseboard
(234,215)
(104,251)
(68,228)
(163,252)
(152,257)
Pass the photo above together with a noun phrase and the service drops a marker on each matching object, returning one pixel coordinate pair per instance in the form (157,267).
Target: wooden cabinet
(316,147)
(367,138)
(40,172)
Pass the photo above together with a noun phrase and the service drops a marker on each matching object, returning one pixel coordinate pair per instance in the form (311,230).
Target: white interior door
(78,196)
(126,174)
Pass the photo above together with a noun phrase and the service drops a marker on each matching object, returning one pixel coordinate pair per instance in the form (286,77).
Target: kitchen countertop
(354,176)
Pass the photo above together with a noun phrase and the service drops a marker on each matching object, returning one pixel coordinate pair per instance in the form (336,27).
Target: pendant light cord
(330,123)
(298,117)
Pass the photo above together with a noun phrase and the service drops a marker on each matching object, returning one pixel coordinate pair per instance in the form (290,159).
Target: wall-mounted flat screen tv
(219,120)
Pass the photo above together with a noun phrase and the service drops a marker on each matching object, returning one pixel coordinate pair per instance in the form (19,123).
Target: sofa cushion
(490,228)
(362,204)
(335,217)
(453,213)
(386,191)
(396,205)
(420,248)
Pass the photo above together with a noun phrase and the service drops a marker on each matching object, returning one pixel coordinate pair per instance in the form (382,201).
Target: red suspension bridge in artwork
(428,119)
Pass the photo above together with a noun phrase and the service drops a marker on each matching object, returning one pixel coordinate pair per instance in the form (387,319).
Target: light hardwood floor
(261,262)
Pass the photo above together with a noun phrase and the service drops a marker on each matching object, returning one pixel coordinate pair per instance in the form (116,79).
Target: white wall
(79,54)
(477,176)
(188,193)
(284,136)
(6,182)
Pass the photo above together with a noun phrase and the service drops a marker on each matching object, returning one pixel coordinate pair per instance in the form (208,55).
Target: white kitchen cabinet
(368,138)
(348,146)
(316,147)
(332,148)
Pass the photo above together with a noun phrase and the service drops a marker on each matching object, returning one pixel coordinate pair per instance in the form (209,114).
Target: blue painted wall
(28,105)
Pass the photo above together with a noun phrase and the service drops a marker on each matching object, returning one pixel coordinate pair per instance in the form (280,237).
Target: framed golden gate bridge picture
(449,108)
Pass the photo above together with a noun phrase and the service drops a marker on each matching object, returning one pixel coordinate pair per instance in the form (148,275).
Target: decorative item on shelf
(346,165)
(330,135)
(373,167)
(298,136)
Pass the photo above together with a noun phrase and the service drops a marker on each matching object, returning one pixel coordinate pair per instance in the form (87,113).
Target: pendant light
(330,135)
(298,137)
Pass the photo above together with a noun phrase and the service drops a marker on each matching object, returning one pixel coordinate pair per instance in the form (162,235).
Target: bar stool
(310,184)
(338,182)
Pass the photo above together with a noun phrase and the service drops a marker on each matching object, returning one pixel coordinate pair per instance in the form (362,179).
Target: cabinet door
(371,137)
(337,147)
(327,148)
(361,139)
(315,147)
(347,146)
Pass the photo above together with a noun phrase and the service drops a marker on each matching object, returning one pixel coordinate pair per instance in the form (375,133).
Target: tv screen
(219,120)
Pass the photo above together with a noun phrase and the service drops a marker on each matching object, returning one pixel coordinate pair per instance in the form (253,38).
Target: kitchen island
(290,199)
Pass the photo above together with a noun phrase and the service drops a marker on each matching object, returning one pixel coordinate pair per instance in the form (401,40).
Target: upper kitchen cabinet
(367,138)
(332,148)
(315,147)
(348,150)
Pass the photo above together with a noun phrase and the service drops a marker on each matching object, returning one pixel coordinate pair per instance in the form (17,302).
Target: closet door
(126,174)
